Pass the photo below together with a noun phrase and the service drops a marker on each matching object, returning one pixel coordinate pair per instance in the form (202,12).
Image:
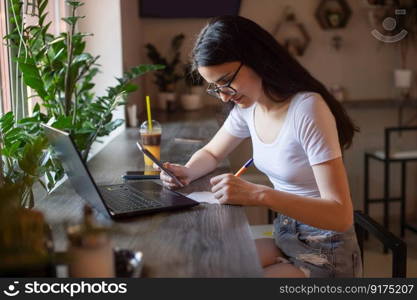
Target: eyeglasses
(214,90)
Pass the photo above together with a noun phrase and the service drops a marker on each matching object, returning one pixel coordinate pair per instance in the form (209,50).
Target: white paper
(206,197)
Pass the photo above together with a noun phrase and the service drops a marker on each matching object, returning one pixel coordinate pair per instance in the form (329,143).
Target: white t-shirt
(307,137)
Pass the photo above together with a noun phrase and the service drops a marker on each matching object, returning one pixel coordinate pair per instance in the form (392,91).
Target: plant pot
(403,78)
(164,98)
(191,101)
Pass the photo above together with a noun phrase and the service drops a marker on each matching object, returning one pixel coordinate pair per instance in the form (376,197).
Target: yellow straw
(148,108)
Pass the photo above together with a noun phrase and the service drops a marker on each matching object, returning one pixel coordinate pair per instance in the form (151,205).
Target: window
(4,63)
(13,93)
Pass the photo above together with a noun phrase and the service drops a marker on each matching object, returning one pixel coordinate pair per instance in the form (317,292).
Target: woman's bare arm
(207,158)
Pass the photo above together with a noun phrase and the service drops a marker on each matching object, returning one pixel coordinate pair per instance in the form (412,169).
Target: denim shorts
(316,252)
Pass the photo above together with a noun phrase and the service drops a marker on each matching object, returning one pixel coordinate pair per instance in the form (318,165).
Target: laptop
(117,201)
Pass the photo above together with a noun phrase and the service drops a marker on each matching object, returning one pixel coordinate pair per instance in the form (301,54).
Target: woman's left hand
(229,189)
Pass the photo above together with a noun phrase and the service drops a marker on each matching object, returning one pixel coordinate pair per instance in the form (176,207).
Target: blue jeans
(318,252)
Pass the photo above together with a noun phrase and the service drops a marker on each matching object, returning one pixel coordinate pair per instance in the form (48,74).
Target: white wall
(103,19)
(132,40)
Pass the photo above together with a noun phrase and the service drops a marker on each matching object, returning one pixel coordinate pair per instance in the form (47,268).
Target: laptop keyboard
(122,199)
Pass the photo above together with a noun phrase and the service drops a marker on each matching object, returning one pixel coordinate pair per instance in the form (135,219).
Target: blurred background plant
(167,78)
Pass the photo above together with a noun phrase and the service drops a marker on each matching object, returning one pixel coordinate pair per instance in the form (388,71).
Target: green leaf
(42,5)
(87,87)
(29,70)
(28,121)
(84,57)
(31,75)
(42,19)
(35,83)
(63,122)
(13,133)
(57,40)
(32,154)
(79,47)
(130,87)
(13,148)
(75,4)
(7,121)
(58,54)
(113,125)
(72,21)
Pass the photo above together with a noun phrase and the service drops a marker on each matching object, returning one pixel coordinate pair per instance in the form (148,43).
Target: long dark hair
(234,38)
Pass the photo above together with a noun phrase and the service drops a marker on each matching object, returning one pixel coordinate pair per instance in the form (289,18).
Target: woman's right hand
(181,172)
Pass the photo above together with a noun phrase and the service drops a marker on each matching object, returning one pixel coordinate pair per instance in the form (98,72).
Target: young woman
(298,131)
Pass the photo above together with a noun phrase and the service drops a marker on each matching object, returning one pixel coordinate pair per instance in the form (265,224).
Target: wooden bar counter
(208,240)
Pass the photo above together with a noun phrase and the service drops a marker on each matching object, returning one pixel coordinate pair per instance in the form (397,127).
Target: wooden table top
(208,240)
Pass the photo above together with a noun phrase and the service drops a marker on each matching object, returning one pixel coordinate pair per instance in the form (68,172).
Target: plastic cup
(151,140)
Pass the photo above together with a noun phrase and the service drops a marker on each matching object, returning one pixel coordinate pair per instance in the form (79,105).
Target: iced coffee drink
(151,140)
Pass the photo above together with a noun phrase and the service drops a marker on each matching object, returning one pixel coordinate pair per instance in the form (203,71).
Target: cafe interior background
(335,40)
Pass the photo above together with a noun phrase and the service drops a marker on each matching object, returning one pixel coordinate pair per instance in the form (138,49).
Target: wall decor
(336,42)
(291,33)
(333,14)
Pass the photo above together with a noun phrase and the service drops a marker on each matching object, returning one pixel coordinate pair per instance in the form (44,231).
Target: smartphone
(159,164)
(136,175)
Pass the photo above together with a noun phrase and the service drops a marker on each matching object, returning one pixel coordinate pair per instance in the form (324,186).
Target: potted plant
(61,73)
(167,78)
(193,97)
(24,159)
(25,240)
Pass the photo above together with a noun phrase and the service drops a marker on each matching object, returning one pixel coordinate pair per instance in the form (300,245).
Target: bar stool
(387,157)
(365,224)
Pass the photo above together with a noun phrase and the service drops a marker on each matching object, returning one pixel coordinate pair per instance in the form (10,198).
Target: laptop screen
(77,172)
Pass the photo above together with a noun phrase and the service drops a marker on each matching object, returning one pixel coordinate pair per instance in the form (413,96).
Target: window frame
(5,88)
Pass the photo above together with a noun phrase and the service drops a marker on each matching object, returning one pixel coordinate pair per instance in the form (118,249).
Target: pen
(244,167)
